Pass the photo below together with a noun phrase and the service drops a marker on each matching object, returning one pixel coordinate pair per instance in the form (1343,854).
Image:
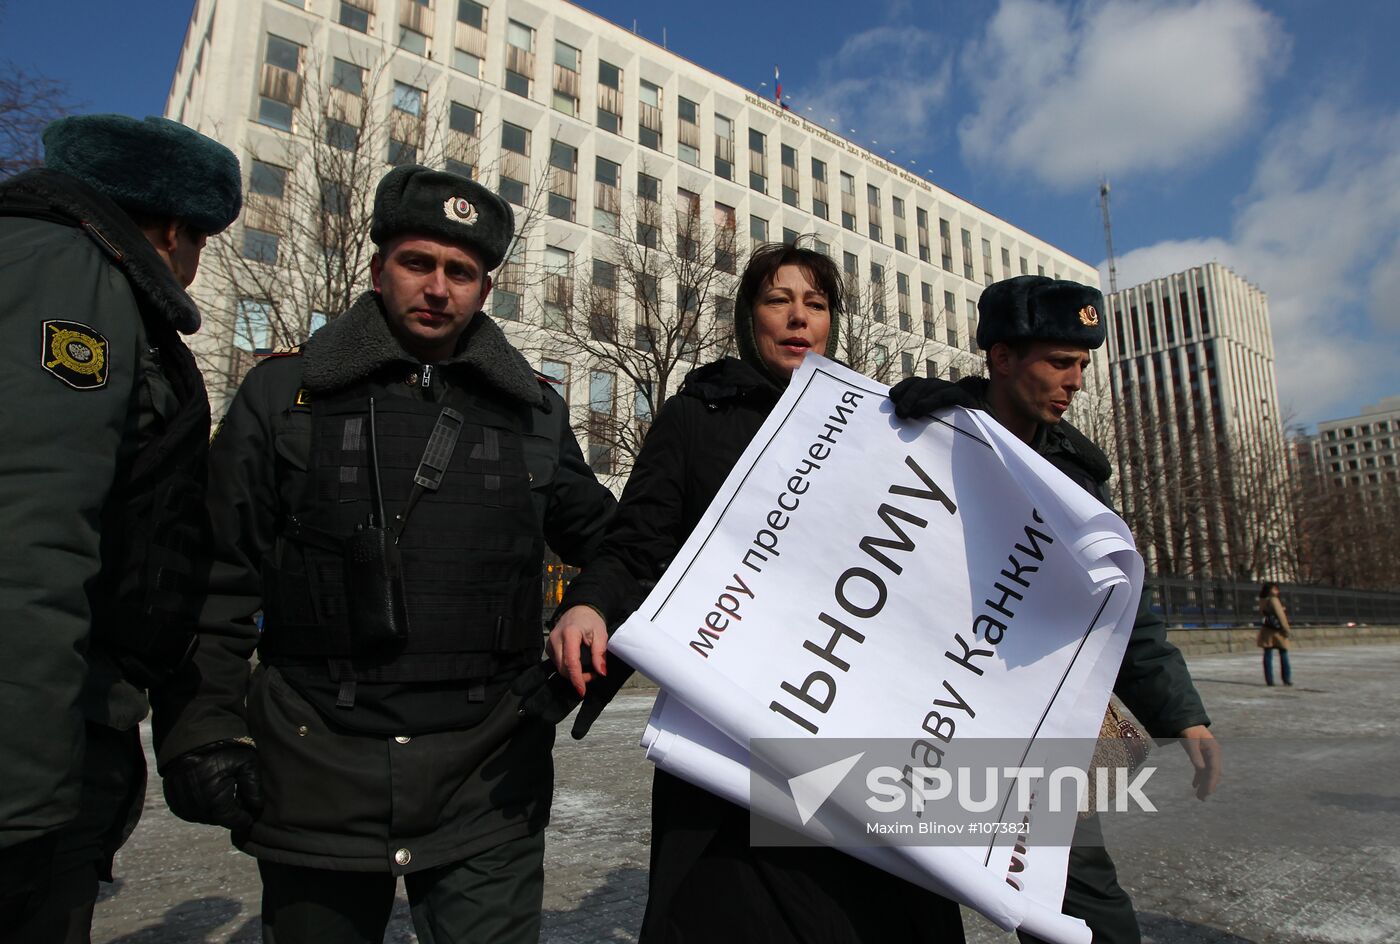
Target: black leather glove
(218,784)
(916,397)
(547,695)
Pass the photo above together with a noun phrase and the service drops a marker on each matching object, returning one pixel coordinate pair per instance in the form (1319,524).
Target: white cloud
(1319,231)
(1124,86)
(887,83)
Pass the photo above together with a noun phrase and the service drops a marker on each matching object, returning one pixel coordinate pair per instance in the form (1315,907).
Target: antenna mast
(1108,236)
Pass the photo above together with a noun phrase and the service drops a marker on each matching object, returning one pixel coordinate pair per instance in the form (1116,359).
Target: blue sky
(1262,135)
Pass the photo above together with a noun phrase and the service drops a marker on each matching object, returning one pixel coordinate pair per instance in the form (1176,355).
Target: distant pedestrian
(1273,633)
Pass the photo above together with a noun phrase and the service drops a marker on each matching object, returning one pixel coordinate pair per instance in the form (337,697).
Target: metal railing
(1211,603)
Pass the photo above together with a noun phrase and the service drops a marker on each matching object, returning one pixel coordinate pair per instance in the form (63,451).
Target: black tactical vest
(471,551)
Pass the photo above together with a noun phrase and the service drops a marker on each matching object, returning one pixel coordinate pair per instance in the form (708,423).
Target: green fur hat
(1039,308)
(434,203)
(156,167)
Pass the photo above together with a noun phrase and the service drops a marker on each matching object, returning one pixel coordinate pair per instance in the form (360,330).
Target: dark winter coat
(72,422)
(706,882)
(338,794)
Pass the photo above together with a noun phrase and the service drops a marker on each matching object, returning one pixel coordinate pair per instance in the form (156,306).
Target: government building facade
(604,142)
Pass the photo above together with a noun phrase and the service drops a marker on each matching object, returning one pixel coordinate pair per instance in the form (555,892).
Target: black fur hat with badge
(415,199)
(1039,308)
(156,167)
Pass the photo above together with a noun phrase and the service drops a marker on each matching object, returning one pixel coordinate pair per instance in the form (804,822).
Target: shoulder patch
(75,353)
(303,397)
(278,352)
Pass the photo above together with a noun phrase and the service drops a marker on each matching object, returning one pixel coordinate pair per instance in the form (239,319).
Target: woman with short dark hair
(1273,633)
(706,882)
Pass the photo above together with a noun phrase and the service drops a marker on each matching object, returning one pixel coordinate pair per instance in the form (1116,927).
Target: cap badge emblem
(459,210)
(1089,316)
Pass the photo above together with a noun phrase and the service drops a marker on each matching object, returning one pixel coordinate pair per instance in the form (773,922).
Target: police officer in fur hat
(1037,333)
(384,495)
(103,435)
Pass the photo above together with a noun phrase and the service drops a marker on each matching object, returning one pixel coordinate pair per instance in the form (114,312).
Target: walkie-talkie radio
(374,589)
(374,584)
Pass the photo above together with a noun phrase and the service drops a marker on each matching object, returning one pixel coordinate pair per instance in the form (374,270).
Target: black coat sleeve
(1154,681)
(206,702)
(61,449)
(648,527)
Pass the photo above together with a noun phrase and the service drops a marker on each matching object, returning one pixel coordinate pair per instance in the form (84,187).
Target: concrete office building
(1201,453)
(1362,453)
(575,120)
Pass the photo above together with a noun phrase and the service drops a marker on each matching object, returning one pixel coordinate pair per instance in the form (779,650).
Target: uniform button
(403,857)
(403,739)
(303,730)
(412,379)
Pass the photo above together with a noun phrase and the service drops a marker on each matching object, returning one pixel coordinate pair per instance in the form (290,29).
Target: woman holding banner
(706,882)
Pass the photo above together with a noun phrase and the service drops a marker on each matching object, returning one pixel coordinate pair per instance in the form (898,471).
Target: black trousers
(1092,892)
(494,896)
(50,884)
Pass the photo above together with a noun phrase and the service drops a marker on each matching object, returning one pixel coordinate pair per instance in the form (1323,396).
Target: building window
(470,46)
(906,363)
(353,15)
(252,329)
(848,202)
(921,224)
(877,292)
(607,199)
(931,368)
(415,23)
(348,78)
(987,262)
(901,242)
(279,90)
(520,58)
(609,97)
(515,163)
(968,272)
(789,158)
(926,307)
(906,316)
(758,229)
(600,392)
(724,147)
(872,208)
(758,161)
(558,372)
(945,239)
(688,145)
(566,78)
(724,238)
(1024,269)
(820,208)
(649,115)
(406,123)
(641,402)
(972,326)
(1005,263)
(563,163)
(648,187)
(649,214)
(259,246)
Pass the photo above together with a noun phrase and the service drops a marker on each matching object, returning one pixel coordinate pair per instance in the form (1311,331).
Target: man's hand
(579,627)
(1206,756)
(218,784)
(920,396)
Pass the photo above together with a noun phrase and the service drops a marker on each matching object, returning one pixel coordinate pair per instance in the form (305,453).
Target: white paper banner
(855,567)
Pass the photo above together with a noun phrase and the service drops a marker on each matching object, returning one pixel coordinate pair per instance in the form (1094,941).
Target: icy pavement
(182,883)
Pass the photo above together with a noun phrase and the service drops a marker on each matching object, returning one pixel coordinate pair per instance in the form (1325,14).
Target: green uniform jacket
(336,798)
(72,419)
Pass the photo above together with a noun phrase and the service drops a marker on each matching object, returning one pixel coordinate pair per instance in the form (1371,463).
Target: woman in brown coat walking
(1273,633)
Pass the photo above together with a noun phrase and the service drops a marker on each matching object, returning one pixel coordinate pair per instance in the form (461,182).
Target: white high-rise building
(575,120)
(1201,454)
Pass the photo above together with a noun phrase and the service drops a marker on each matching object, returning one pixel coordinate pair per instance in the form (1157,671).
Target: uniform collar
(357,344)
